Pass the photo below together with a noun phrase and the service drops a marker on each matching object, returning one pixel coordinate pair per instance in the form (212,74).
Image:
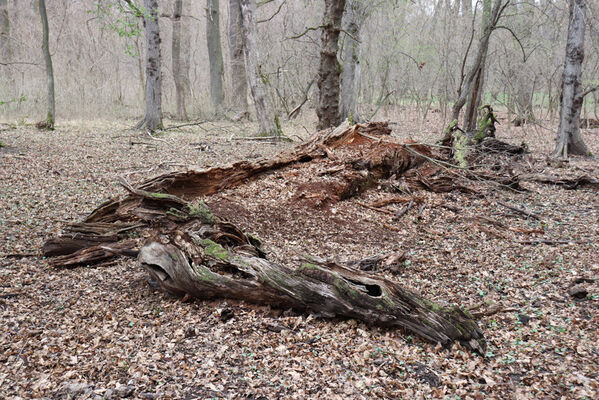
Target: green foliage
(350,118)
(20,99)
(123,19)
(460,148)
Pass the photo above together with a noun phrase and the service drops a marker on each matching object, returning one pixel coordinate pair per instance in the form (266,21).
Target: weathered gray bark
(215,55)
(471,84)
(152,120)
(467,7)
(179,62)
(477,87)
(237,59)
(267,119)
(569,140)
(51,116)
(354,17)
(4,31)
(329,69)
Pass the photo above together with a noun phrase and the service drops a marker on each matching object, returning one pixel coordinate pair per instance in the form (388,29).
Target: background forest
(411,56)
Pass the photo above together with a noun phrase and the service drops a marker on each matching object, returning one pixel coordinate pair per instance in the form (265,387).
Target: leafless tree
(236,58)
(569,140)
(267,119)
(51,115)
(4,31)
(152,119)
(353,18)
(329,69)
(180,64)
(471,84)
(215,55)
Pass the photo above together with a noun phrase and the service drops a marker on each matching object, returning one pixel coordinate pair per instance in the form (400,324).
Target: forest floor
(104,332)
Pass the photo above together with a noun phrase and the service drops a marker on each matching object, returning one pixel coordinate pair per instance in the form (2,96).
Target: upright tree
(477,87)
(354,17)
(470,85)
(236,58)
(51,115)
(267,119)
(4,31)
(569,140)
(329,69)
(215,55)
(152,119)
(180,63)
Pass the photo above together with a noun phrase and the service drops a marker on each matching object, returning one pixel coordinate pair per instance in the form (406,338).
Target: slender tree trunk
(51,116)
(237,60)
(329,69)
(475,96)
(467,7)
(179,70)
(472,83)
(4,31)
(569,140)
(153,117)
(267,119)
(215,55)
(350,81)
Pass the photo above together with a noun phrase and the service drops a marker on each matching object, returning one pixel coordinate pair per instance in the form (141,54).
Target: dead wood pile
(189,250)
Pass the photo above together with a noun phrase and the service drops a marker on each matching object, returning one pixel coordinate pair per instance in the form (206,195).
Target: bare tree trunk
(471,84)
(329,69)
(350,80)
(179,62)
(215,55)
(569,140)
(51,116)
(4,31)
(153,117)
(479,80)
(267,119)
(467,7)
(237,59)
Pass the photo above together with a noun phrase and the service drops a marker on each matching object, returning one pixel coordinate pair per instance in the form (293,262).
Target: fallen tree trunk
(189,250)
(219,260)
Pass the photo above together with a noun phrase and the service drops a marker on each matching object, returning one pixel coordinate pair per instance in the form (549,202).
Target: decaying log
(190,251)
(569,183)
(218,260)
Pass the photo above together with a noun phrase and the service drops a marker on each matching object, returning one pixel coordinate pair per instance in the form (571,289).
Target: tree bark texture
(329,69)
(471,84)
(350,81)
(189,250)
(215,55)
(179,61)
(237,59)
(476,91)
(569,140)
(4,31)
(267,119)
(152,119)
(51,115)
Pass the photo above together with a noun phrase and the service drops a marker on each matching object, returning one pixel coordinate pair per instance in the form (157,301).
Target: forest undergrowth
(104,332)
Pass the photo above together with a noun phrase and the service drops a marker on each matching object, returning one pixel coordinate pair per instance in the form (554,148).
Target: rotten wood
(190,251)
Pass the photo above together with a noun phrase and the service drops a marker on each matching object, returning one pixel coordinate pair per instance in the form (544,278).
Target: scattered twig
(155,138)
(547,241)
(381,210)
(520,211)
(403,211)
(197,123)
